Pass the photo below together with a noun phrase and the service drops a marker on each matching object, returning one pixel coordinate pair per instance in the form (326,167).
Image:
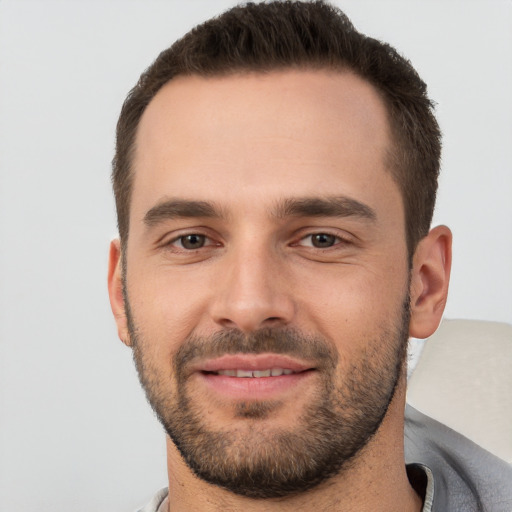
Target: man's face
(266,279)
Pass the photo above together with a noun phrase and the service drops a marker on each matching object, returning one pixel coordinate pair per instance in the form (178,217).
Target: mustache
(287,341)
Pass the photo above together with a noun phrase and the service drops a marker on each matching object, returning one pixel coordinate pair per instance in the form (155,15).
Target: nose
(253,292)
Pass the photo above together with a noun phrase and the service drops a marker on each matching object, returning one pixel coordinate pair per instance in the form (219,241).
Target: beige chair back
(463,379)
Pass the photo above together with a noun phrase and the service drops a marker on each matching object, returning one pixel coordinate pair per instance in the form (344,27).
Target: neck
(376,480)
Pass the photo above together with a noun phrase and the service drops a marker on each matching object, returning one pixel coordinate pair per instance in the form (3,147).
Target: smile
(254,376)
(273,372)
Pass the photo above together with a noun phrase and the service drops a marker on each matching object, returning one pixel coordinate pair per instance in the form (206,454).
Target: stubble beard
(262,462)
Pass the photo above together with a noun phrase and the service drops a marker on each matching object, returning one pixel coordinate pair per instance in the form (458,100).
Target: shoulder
(466,477)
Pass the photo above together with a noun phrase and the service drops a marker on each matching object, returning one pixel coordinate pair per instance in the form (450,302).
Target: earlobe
(429,281)
(115,291)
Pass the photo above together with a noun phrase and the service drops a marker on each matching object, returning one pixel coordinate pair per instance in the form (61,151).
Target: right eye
(191,242)
(323,240)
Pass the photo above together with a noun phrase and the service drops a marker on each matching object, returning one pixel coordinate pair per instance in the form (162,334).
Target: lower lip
(254,388)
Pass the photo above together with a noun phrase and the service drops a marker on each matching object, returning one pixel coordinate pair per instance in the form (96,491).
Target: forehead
(255,135)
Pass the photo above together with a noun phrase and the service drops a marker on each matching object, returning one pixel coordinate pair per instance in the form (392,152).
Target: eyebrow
(180,208)
(291,207)
(325,207)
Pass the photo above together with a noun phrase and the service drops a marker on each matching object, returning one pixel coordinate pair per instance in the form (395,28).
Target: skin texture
(246,150)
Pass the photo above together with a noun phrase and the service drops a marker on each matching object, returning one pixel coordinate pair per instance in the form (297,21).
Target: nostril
(273,321)
(226,322)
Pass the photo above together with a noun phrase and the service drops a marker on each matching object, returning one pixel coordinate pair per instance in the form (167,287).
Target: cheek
(166,308)
(352,306)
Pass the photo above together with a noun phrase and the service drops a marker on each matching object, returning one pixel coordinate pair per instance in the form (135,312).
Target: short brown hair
(289,34)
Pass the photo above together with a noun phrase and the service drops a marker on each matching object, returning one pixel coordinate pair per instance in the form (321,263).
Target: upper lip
(254,362)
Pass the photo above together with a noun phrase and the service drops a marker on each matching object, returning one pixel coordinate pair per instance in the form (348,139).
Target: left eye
(191,242)
(320,240)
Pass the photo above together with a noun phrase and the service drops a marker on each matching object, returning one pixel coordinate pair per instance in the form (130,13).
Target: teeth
(261,373)
(229,373)
(274,372)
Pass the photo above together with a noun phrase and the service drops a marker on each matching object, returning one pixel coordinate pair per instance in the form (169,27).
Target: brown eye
(192,241)
(323,240)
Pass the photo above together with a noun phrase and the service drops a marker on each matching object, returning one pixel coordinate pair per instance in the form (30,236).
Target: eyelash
(178,242)
(180,239)
(338,240)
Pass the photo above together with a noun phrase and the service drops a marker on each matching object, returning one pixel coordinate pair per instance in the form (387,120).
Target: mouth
(254,376)
(257,374)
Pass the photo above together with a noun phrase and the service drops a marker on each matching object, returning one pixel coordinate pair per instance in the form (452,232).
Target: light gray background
(75,432)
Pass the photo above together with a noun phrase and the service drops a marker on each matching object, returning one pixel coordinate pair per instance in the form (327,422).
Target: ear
(429,281)
(115,291)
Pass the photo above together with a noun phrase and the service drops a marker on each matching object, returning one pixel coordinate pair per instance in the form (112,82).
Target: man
(275,178)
